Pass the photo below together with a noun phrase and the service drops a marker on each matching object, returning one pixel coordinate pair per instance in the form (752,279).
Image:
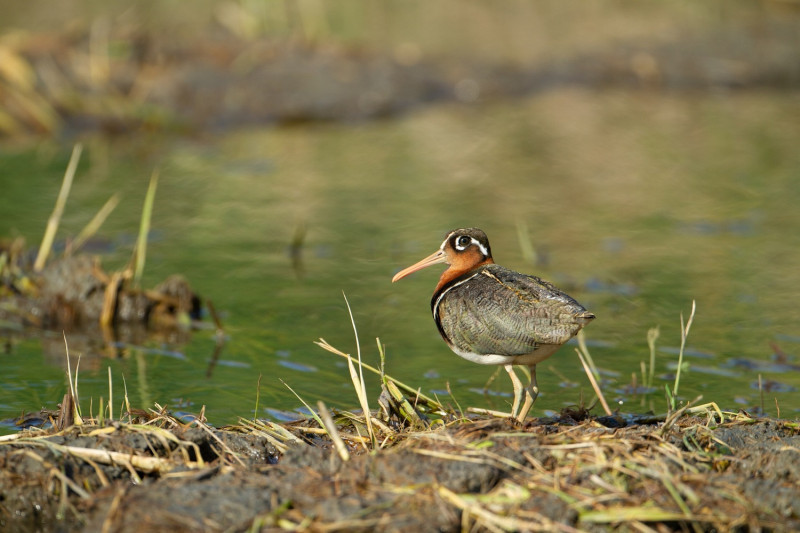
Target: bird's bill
(435,258)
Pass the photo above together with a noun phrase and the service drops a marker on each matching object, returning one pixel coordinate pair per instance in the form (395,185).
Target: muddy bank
(158,474)
(73,294)
(127,79)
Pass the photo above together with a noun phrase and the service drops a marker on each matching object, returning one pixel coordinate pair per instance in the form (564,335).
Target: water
(635,203)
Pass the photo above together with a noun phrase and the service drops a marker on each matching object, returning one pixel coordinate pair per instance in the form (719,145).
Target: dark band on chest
(439,296)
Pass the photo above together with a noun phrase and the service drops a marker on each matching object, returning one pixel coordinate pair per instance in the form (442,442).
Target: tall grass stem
(358,378)
(652,337)
(144,229)
(594,383)
(684,334)
(94,224)
(58,210)
(110,396)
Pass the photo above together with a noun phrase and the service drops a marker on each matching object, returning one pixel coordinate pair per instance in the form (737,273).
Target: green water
(635,203)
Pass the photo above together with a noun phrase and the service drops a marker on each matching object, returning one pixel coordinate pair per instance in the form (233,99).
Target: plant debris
(74,292)
(714,472)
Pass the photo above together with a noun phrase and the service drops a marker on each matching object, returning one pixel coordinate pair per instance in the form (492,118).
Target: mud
(73,293)
(486,474)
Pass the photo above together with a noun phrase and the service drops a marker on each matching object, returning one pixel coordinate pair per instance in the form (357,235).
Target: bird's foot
(518,390)
(531,394)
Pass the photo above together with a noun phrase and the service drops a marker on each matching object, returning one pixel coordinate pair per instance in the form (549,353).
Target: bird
(491,315)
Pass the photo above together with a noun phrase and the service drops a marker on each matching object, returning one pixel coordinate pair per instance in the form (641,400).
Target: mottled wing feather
(512,315)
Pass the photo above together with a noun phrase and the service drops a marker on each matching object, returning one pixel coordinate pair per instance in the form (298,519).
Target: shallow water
(635,203)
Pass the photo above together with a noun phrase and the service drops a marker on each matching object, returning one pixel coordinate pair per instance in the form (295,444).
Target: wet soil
(481,474)
(74,294)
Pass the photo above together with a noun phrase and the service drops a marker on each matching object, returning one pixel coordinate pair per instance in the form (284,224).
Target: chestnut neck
(454,272)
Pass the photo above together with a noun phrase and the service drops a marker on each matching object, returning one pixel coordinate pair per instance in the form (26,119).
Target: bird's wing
(511,314)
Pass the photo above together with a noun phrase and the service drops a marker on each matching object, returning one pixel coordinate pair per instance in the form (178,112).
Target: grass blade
(110,396)
(593,381)
(310,410)
(524,239)
(73,387)
(144,229)
(58,210)
(94,224)
(330,426)
(652,337)
(358,379)
(684,335)
(322,343)
(586,355)
(258,397)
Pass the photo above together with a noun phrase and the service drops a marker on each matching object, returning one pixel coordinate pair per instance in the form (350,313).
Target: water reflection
(636,205)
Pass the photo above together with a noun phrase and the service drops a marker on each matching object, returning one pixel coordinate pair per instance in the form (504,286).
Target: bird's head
(463,249)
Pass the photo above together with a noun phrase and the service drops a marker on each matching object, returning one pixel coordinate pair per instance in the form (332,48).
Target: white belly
(541,353)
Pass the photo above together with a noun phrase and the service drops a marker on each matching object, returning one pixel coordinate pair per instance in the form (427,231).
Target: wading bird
(491,315)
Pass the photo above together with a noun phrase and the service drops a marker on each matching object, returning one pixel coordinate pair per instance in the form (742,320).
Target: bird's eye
(463,241)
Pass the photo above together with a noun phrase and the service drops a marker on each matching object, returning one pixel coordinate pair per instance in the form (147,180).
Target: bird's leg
(517,389)
(531,392)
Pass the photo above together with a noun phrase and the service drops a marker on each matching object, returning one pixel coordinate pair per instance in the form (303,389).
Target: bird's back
(494,310)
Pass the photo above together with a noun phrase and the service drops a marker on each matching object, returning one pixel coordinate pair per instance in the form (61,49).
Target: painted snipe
(491,315)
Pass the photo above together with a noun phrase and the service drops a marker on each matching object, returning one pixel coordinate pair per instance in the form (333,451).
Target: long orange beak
(437,257)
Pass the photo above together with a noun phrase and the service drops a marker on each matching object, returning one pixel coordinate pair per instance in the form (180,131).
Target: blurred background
(640,155)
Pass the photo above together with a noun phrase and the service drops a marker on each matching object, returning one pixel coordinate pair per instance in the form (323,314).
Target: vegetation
(487,472)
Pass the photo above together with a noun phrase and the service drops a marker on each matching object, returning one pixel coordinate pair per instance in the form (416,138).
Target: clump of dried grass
(658,470)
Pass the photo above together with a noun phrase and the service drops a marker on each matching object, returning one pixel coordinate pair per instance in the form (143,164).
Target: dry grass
(634,476)
(561,474)
(58,209)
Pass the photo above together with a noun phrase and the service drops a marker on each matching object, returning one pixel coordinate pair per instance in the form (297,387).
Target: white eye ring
(472,240)
(462,243)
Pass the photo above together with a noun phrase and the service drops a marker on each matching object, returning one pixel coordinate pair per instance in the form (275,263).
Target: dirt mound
(157,474)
